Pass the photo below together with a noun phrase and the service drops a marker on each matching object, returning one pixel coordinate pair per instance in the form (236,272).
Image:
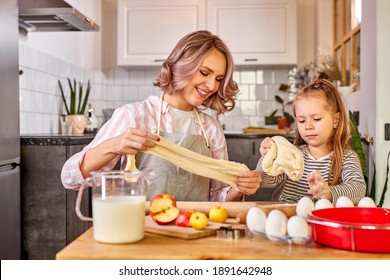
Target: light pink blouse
(144,115)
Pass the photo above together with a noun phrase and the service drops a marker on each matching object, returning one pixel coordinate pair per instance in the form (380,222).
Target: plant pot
(77,122)
(282,123)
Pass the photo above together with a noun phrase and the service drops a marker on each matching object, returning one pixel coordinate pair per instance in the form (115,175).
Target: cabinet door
(244,151)
(149,29)
(43,201)
(256,31)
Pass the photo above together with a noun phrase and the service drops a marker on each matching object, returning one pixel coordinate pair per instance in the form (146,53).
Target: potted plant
(286,119)
(75,109)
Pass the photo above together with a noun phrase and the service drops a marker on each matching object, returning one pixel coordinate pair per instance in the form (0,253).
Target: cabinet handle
(253,148)
(159,60)
(250,59)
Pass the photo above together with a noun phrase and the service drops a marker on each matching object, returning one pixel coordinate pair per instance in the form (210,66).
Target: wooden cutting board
(264,131)
(184,232)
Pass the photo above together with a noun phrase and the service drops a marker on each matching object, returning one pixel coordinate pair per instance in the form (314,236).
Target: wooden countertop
(155,246)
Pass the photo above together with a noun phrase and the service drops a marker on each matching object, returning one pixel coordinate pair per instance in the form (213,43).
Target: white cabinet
(149,29)
(256,31)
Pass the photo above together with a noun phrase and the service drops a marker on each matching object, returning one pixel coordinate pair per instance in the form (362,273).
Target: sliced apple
(163,195)
(163,209)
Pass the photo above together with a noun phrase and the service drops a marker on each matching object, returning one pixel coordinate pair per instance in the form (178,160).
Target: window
(346,38)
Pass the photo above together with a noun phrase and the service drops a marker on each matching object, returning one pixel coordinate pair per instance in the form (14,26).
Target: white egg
(255,219)
(304,207)
(298,229)
(344,201)
(366,202)
(276,225)
(323,203)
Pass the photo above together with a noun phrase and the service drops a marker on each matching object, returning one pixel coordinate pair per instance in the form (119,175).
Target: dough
(220,170)
(283,157)
(130,163)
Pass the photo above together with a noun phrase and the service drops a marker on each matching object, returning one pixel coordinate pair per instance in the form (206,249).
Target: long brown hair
(340,139)
(184,61)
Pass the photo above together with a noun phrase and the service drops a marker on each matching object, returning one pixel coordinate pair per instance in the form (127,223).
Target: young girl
(332,169)
(197,73)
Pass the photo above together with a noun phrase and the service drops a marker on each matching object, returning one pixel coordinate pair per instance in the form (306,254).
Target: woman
(197,73)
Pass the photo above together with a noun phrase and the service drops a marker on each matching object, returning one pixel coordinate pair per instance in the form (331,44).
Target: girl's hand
(249,182)
(134,140)
(265,146)
(319,188)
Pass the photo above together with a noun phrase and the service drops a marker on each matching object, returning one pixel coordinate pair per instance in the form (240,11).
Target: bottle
(94,121)
(89,127)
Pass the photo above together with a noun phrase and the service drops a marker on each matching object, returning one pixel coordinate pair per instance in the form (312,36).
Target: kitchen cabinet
(149,29)
(246,151)
(258,32)
(49,221)
(245,148)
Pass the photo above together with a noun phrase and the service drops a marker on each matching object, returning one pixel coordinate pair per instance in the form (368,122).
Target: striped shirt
(144,115)
(351,184)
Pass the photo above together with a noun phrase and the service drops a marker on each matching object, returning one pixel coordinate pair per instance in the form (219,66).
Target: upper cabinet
(258,32)
(148,30)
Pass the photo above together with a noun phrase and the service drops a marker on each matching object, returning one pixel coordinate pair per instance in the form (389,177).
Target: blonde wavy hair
(185,60)
(340,139)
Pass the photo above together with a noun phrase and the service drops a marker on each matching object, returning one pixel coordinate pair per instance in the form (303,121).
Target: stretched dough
(220,170)
(283,157)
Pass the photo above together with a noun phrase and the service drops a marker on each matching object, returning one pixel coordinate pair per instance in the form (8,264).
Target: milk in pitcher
(118,219)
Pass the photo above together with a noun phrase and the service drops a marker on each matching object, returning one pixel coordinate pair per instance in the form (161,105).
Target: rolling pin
(233,207)
(288,209)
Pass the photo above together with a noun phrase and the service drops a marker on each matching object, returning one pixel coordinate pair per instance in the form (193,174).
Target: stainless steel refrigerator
(10,212)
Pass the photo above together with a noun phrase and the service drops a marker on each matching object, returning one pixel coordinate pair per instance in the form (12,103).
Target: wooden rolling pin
(288,209)
(233,207)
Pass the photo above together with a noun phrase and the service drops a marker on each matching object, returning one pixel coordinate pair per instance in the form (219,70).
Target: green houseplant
(286,119)
(76,107)
(82,103)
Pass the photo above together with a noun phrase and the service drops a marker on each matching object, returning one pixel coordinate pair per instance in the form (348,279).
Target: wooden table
(155,246)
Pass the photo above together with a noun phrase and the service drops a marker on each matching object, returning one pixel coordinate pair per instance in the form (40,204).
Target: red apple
(183,220)
(163,209)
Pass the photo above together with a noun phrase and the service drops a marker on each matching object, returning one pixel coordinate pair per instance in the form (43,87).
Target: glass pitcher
(118,204)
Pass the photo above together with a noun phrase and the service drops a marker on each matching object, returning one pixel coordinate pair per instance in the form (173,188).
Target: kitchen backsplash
(41,106)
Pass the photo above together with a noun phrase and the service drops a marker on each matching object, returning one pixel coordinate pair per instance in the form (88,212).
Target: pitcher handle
(86,184)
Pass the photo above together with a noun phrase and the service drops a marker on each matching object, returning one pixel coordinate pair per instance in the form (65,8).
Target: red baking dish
(352,228)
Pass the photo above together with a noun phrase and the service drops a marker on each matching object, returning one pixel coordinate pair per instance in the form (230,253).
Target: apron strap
(196,113)
(159,114)
(201,126)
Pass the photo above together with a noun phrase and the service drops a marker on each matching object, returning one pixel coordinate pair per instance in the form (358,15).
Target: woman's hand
(249,182)
(133,140)
(319,188)
(130,142)
(265,146)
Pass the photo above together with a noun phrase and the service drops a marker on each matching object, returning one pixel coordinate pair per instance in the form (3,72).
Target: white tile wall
(41,105)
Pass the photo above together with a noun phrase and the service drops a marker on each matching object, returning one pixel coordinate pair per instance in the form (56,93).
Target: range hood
(52,15)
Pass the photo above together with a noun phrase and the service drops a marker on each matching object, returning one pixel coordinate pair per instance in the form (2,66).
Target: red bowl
(352,228)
